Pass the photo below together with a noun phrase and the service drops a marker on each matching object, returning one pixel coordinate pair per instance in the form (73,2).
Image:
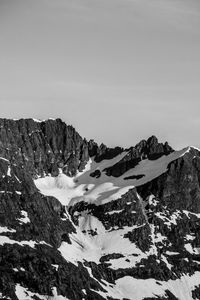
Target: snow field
(87,247)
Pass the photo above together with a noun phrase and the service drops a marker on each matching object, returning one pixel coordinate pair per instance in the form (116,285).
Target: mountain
(83,221)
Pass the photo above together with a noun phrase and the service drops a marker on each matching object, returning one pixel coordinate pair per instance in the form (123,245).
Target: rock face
(150,149)
(43,147)
(82,221)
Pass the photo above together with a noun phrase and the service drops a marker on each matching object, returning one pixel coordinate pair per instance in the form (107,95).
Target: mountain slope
(82,221)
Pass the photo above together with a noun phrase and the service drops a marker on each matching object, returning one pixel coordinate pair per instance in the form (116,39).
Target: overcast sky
(118,70)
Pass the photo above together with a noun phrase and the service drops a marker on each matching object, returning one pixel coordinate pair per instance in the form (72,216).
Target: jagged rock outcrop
(43,147)
(150,149)
(82,221)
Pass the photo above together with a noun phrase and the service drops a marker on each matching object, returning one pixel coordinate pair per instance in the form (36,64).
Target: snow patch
(164,259)
(2,158)
(5,229)
(189,237)
(32,244)
(24,219)
(56,267)
(188,213)
(193,147)
(152,200)
(9,171)
(56,296)
(23,293)
(191,250)
(169,219)
(138,289)
(172,253)
(114,212)
(105,188)
(89,247)
(18,192)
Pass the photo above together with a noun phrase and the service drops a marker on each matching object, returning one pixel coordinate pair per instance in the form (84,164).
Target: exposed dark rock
(158,219)
(96,173)
(150,149)
(43,147)
(134,177)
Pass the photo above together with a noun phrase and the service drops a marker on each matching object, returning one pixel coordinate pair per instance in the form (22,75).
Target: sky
(118,70)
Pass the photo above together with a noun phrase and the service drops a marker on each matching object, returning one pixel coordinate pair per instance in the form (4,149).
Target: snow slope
(87,247)
(104,189)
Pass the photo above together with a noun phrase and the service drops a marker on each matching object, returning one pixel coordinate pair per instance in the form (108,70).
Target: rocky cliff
(83,221)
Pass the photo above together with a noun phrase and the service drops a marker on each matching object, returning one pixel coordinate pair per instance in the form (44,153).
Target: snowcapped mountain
(82,221)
